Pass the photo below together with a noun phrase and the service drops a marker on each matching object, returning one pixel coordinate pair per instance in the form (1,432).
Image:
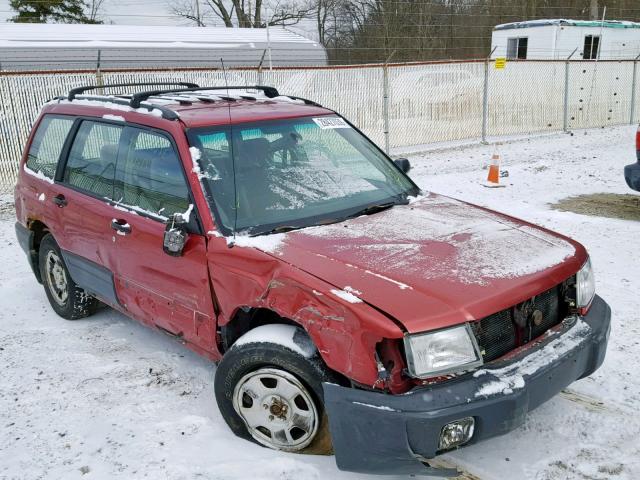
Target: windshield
(277,175)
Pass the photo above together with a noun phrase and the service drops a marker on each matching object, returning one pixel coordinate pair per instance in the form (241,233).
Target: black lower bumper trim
(93,278)
(394,434)
(26,239)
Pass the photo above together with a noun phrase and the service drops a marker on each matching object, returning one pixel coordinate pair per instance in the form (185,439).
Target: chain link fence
(399,105)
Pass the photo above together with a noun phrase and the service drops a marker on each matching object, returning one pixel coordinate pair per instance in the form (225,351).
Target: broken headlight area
(441,352)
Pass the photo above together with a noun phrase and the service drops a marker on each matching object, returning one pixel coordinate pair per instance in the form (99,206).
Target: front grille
(496,335)
(501,332)
(549,304)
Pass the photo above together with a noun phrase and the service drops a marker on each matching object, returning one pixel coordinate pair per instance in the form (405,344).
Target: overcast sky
(130,12)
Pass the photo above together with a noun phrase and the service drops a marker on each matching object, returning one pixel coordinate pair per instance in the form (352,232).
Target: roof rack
(80,90)
(137,100)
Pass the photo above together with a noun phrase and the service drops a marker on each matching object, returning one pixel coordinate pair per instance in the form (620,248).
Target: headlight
(444,351)
(585,285)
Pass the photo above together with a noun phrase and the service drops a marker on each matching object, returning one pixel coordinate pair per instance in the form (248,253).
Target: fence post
(99,81)
(485,98)
(385,101)
(634,77)
(260,81)
(565,116)
(385,105)
(485,102)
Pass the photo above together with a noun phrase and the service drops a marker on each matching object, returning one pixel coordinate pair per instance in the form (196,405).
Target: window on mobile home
(517,48)
(591,44)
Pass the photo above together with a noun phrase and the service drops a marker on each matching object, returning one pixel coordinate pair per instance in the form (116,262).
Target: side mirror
(175,235)
(403,164)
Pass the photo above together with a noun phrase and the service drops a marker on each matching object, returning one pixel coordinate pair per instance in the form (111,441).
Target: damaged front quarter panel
(345,330)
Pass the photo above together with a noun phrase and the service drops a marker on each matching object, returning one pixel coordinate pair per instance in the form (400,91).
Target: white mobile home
(76,47)
(557,39)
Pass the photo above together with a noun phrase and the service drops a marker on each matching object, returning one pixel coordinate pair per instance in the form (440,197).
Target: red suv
(348,310)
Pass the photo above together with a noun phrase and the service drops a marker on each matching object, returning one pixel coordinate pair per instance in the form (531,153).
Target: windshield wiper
(373,209)
(280,229)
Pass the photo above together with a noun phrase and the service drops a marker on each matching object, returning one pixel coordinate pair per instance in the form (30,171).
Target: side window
(512,48)
(47,145)
(591,44)
(523,44)
(517,48)
(150,175)
(92,159)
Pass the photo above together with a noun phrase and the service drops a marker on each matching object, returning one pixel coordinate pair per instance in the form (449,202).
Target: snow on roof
(22,35)
(567,22)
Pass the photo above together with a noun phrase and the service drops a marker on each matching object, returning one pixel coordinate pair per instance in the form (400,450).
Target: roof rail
(136,98)
(80,90)
(167,113)
(305,100)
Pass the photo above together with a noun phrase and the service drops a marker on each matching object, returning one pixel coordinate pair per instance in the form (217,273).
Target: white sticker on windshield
(331,122)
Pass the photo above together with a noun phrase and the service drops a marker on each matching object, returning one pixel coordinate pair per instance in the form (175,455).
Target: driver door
(169,292)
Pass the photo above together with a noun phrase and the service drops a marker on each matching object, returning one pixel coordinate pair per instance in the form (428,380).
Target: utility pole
(594,10)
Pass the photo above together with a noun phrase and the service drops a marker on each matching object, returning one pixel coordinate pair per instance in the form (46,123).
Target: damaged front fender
(344,329)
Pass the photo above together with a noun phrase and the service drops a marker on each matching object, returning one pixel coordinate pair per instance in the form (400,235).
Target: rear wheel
(271,394)
(67,299)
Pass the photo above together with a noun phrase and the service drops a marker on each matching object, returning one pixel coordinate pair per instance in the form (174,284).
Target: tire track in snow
(592,404)
(448,463)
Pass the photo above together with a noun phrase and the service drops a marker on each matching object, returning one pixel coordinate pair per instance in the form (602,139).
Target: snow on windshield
(281,172)
(319,180)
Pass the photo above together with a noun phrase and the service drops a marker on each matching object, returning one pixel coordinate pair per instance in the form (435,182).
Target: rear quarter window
(47,145)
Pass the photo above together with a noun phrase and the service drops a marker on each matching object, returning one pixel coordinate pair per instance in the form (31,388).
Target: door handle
(121,226)
(60,200)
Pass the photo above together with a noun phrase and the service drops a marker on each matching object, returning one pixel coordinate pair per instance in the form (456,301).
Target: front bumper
(632,175)
(379,433)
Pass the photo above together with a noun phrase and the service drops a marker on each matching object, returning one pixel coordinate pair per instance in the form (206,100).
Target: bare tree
(243,13)
(95,9)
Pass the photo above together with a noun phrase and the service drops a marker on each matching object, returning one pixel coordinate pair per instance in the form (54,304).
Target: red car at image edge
(349,311)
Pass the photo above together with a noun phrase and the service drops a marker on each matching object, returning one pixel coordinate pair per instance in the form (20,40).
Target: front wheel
(270,391)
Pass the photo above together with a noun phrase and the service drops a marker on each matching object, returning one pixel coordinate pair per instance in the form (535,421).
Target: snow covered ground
(105,397)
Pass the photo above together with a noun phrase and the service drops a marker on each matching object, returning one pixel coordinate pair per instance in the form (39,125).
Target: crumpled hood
(435,262)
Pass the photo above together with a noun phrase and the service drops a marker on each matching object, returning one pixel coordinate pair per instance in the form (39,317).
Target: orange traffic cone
(493,179)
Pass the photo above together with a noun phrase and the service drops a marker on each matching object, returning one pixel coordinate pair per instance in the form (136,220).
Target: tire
(73,304)
(252,361)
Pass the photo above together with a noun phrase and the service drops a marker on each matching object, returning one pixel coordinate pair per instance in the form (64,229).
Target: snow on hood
(438,236)
(435,258)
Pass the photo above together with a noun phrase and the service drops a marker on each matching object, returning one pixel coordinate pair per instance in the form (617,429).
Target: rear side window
(47,145)
(150,175)
(92,160)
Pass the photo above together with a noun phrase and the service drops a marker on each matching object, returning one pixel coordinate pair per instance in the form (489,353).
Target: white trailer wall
(557,42)
(541,41)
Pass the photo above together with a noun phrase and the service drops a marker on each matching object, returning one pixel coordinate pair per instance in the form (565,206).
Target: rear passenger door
(170,292)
